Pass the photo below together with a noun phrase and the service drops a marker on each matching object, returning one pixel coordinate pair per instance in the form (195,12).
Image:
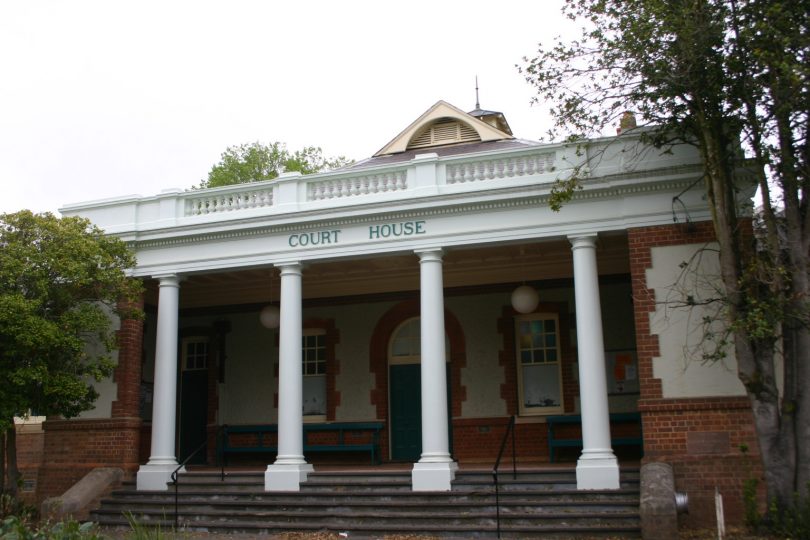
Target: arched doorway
(405,392)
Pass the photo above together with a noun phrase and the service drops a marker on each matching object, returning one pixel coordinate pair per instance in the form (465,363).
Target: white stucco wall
(483,375)
(354,381)
(680,366)
(246,397)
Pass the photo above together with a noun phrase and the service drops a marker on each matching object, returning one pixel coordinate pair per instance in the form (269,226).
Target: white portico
(421,199)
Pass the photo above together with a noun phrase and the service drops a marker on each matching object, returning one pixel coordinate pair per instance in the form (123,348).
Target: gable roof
(473,129)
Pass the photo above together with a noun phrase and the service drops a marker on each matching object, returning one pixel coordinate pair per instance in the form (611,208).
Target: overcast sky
(103,99)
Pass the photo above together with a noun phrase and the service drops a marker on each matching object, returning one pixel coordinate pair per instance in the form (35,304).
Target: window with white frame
(195,353)
(537,343)
(313,369)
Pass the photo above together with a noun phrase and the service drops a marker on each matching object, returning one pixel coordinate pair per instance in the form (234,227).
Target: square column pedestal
(433,476)
(598,473)
(156,476)
(286,477)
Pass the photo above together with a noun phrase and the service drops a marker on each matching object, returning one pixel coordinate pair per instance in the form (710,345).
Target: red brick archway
(378,359)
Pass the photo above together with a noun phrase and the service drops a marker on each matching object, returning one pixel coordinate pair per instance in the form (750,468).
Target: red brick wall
(127,374)
(478,440)
(30,439)
(72,448)
(700,437)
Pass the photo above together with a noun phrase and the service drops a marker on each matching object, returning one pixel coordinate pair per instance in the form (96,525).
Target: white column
(435,469)
(290,467)
(162,462)
(597,467)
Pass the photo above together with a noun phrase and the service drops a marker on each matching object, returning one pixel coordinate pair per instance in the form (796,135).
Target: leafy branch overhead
(256,162)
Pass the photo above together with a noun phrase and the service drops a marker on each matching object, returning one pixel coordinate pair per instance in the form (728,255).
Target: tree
(60,280)
(255,162)
(721,75)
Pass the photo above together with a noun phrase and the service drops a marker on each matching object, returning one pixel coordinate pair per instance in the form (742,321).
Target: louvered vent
(443,131)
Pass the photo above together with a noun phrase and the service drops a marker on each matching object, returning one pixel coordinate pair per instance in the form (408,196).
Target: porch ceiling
(498,264)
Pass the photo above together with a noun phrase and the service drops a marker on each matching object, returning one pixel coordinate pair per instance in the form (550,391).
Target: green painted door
(406,412)
(193,414)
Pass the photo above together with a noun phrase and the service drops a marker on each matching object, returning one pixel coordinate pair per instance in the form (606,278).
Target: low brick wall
(702,440)
(73,448)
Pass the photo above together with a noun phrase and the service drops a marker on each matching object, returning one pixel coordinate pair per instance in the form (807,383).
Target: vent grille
(444,131)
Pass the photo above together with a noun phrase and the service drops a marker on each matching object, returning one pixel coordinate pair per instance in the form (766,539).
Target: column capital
(290,268)
(430,254)
(169,279)
(583,240)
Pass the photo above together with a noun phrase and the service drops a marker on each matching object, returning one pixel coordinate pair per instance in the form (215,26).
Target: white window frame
(184,353)
(523,410)
(315,332)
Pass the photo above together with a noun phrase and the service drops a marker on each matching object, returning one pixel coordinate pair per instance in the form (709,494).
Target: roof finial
(477,105)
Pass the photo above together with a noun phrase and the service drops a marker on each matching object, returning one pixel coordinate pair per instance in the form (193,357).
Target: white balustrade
(219,201)
(213,203)
(509,167)
(357,185)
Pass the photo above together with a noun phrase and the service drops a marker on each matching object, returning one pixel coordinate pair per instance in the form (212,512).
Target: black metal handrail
(510,429)
(175,476)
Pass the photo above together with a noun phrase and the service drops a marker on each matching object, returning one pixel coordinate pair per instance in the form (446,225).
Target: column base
(156,476)
(286,477)
(433,476)
(598,472)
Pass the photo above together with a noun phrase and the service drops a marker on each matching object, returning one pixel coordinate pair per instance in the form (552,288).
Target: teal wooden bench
(261,439)
(555,442)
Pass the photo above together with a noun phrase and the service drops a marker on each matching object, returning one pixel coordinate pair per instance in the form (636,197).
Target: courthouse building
(432,291)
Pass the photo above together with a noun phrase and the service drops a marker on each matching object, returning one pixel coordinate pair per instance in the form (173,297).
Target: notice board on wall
(622,372)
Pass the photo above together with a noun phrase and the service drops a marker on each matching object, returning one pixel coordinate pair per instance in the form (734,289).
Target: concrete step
(375,503)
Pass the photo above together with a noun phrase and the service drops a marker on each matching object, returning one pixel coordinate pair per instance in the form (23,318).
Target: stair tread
(374,502)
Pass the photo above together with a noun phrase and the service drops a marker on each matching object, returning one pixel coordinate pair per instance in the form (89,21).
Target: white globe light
(270,316)
(525,299)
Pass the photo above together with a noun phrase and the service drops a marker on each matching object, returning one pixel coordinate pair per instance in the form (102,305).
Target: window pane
(525,328)
(551,340)
(314,395)
(551,355)
(401,347)
(541,386)
(526,357)
(537,327)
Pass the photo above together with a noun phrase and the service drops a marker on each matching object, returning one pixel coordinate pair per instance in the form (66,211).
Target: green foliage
(752,517)
(60,279)
(14,528)
(12,506)
(141,531)
(790,521)
(255,162)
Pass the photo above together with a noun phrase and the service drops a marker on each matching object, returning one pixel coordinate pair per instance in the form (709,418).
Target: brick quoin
(700,437)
